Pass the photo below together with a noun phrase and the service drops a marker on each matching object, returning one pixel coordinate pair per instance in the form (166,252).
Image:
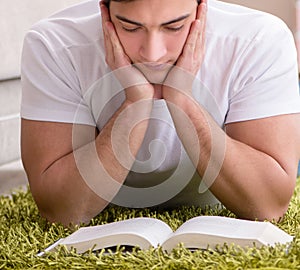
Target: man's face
(153,32)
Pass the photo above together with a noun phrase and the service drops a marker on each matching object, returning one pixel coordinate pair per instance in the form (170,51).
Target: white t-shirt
(249,72)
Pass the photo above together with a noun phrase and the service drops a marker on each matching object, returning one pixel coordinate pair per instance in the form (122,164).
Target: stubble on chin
(153,75)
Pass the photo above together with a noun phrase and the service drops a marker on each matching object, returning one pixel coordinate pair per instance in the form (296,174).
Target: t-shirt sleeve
(50,87)
(266,76)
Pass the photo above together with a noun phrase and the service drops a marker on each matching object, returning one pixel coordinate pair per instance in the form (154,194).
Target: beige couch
(15,19)
(285,9)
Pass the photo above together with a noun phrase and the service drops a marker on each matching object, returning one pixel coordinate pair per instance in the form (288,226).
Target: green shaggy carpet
(24,233)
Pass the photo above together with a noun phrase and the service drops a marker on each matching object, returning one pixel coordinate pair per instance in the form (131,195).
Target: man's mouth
(156,66)
(153,71)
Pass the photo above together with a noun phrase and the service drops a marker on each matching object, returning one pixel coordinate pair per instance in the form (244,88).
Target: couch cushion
(15,20)
(10,98)
(12,176)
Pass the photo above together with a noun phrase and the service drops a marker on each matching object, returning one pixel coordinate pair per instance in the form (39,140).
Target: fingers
(181,77)
(115,55)
(105,20)
(104,12)
(201,6)
(202,15)
(193,51)
(192,40)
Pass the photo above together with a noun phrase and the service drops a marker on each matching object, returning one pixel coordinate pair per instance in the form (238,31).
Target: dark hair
(107,2)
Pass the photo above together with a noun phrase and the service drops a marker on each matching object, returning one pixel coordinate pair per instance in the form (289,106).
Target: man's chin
(154,75)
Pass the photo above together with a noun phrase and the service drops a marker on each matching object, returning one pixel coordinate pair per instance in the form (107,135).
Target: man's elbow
(58,210)
(279,203)
(67,217)
(276,214)
(272,211)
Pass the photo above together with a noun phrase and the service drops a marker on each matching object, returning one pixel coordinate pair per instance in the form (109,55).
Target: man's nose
(154,47)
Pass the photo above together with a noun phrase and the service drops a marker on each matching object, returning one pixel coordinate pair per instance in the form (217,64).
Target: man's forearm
(248,181)
(79,185)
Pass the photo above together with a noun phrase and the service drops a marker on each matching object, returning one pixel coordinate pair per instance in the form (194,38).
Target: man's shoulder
(75,25)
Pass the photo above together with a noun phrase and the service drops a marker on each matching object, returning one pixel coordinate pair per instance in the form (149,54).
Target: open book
(199,232)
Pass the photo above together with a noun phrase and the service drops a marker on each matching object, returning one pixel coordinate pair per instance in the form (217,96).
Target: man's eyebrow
(181,18)
(121,18)
(124,19)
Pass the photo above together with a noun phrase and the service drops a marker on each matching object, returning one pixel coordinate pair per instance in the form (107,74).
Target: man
(160,102)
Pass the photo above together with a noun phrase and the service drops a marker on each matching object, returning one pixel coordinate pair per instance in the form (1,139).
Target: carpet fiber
(24,233)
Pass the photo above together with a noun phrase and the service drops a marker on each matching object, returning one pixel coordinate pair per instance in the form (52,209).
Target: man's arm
(61,175)
(267,152)
(252,167)
(73,171)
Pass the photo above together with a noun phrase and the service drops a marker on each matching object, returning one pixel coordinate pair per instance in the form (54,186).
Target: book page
(204,231)
(230,227)
(144,232)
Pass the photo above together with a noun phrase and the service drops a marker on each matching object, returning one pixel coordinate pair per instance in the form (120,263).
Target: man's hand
(182,75)
(133,81)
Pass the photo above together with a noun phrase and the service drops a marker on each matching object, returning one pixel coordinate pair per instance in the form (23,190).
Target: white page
(153,230)
(204,231)
(235,229)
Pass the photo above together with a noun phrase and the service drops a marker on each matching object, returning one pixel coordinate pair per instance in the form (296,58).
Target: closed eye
(130,29)
(174,29)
